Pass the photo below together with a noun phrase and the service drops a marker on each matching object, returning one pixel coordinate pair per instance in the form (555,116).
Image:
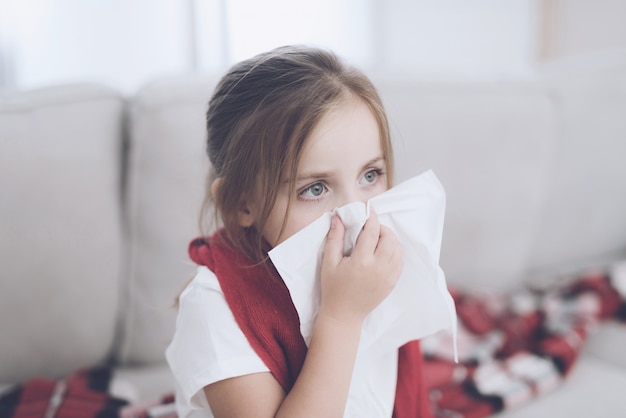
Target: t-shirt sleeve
(208,345)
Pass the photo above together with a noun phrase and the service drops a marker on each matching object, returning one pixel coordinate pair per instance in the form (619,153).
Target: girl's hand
(353,286)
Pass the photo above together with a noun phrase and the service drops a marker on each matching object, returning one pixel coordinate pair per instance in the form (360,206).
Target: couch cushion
(168,166)
(593,389)
(60,229)
(607,343)
(143,383)
(584,221)
(491,145)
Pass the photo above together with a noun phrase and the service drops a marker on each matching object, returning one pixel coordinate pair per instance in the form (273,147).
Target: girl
(292,134)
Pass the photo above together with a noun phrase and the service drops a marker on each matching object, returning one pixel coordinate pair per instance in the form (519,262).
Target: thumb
(333,249)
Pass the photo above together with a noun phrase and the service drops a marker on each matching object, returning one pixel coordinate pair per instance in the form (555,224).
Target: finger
(333,249)
(367,241)
(390,254)
(388,243)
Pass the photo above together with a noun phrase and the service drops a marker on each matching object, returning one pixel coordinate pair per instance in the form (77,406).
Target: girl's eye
(313,191)
(371,176)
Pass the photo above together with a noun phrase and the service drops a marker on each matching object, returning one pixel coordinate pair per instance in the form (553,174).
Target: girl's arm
(351,288)
(321,388)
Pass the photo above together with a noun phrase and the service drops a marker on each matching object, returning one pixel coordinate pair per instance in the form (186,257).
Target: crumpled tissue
(420,304)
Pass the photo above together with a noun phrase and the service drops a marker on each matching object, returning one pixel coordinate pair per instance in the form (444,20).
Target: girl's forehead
(347,136)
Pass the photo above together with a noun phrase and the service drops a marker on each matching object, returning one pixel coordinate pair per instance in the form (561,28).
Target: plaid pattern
(159,408)
(83,394)
(514,347)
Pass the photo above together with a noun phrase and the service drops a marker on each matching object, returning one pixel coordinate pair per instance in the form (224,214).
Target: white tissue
(420,304)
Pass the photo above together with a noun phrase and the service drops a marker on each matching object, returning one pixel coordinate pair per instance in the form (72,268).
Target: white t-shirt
(208,346)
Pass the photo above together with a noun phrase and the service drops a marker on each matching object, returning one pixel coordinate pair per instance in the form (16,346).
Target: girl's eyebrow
(308,177)
(305,177)
(374,161)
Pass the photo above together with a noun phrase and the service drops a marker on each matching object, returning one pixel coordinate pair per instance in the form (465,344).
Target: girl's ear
(215,186)
(245,216)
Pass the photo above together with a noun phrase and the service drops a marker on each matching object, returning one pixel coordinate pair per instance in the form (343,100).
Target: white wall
(479,39)
(580,27)
(119,42)
(126,43)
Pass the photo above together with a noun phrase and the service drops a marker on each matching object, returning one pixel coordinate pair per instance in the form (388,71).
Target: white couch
(99,196)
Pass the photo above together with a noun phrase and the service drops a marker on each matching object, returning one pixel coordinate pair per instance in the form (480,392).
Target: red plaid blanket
(512,347)
(84,394)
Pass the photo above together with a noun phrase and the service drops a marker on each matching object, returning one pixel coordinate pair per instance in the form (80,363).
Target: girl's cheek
(379,188)
(301,216)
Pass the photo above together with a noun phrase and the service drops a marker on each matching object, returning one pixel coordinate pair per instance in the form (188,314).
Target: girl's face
(342,162)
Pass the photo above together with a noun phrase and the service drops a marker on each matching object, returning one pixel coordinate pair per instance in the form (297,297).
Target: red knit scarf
(263,309)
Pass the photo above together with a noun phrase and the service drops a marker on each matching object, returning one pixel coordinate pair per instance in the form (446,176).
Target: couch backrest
(583,219)
(491,145)
(535,172)
(60,235)
(167,167)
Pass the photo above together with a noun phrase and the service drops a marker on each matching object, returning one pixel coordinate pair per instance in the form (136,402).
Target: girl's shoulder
(203,282)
